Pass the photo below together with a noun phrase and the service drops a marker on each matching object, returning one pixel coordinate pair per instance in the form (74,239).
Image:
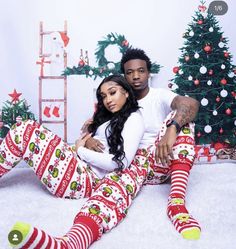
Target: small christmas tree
(205,73)
(13,111)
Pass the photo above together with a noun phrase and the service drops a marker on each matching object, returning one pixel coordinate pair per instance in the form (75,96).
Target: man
(167,140)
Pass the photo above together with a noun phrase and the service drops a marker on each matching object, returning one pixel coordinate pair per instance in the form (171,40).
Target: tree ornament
(202,8)
(207,48)
(90,72)
(215,113)
(170,85)
(210,72)
(181,72)
(196,55)
(231,74)
(222,66)
(223,93)
(46,111)
(220,44)
(223,81)
(199,134)
(190,77)
(175,69)
(204,102)
(196,82)
(112,38)
(203,70)
(15,96)
(191,33)
(228,111)
(186,58)
(211,29)
(234,70)
(207,129)
(221,130)
(209,82)
(235,122)
(226,54)
(217,99)
(200,22)
(55,111)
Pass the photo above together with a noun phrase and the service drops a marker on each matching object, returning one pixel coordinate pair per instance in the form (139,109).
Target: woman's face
(113,96)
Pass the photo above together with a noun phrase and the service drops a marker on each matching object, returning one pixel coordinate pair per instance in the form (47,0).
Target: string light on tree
(209,82)
(196,55)
(221,44)
(203,70)
(211,29)
(190,77)
(222,66)
(191,33)
(215,113)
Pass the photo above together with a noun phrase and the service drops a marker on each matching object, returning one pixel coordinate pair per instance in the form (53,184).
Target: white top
(155,106)
(102,163)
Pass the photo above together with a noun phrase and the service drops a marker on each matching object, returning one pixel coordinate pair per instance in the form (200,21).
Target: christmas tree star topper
(15,96)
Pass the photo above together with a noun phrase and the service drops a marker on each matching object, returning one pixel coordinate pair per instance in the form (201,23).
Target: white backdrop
(153,25)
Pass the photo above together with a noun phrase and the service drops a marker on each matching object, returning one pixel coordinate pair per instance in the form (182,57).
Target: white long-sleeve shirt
(132,133)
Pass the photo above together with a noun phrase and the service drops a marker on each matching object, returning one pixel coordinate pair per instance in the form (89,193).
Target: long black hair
(117,119)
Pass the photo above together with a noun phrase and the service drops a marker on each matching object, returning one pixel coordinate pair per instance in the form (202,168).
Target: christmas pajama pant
(66,176)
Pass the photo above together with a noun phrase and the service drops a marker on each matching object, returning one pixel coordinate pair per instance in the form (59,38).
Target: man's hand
(94,144)
(164,151)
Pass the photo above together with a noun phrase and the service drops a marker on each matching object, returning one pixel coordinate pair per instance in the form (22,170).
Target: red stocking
(46,111)
(55,111)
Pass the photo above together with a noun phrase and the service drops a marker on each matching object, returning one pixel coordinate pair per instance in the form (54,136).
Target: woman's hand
(86,125)
(94,144)
(82,140)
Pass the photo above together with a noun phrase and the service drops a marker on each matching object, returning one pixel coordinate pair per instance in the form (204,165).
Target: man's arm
(186,109)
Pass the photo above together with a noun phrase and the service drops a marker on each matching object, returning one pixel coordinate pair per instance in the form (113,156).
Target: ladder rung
(53,100)
(52,77)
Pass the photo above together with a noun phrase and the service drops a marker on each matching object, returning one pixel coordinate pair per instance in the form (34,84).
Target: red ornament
(201,8)
(210,72)
(223,81)
(199,134)
(207,48)
(221,130)
(15,96)
(81,63)
(175,69)
(196,82)
(125,43)
(200,22)
(226,54)
(228,111)
(217,99)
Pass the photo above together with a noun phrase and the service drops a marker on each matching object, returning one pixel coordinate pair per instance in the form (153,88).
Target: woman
(106,178)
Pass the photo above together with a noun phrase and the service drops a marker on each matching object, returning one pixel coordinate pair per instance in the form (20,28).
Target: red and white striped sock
(80,236)
(183,222)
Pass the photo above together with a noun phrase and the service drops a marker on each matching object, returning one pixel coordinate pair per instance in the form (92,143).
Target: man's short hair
(132,54)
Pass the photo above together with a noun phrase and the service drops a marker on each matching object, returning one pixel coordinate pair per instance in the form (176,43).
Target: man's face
(137,74)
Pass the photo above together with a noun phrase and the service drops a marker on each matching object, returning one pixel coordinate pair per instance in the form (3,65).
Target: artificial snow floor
(211,198)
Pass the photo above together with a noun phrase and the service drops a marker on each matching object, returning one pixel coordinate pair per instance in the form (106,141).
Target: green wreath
(105,67)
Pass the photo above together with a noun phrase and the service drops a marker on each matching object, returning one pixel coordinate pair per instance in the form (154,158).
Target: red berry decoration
(175,69)
(207,48)
(217,99)
(200,22)
(186,58)
(221,130)
(170,85)
(196,82)
(223,81)
(199,134)
(228,111)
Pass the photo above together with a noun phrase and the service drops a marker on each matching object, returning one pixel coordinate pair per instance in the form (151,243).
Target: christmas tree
(13,111)
(205,72)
